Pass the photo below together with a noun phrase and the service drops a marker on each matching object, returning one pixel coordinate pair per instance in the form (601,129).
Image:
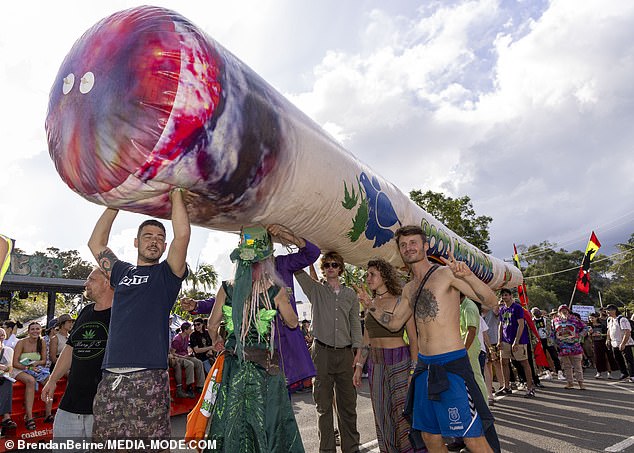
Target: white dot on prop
(87,82)
(69,81)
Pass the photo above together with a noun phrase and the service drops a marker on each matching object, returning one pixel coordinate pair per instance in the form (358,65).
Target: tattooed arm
(393,320)
(98,242)
(468,284)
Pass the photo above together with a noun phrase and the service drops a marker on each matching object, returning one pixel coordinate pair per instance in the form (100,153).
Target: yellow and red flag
(583,279)
(521,289)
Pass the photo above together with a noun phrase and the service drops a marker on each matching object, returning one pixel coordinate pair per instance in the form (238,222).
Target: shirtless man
(438,396)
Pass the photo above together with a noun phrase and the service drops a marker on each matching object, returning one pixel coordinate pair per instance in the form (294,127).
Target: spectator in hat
(620,338)
(568,331)
(59,337)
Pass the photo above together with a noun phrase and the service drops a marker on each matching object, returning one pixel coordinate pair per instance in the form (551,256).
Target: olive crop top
(376,330)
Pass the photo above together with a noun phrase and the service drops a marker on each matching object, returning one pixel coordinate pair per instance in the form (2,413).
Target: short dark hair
(409,230)
(506,291)
(151,222)
(184,326)
(333,256)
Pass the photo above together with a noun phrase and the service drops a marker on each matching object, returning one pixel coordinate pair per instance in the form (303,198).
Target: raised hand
(188,304)
(363,296)
(459,268)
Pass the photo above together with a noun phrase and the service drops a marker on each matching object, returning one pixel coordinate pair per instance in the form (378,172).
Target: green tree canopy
(551,275)
(457,214)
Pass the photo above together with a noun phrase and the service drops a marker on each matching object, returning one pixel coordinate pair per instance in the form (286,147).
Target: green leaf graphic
(349,200)
(359,222)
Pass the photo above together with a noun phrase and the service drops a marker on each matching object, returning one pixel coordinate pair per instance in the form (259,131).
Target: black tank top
(376,330)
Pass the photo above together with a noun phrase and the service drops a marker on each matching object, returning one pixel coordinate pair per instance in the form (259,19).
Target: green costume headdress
(255,246)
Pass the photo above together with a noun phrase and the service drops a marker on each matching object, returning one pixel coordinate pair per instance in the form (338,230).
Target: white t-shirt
(483,328)
(11,341)
(616,328)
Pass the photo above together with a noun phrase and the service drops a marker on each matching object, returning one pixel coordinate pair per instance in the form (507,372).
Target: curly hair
(388,274)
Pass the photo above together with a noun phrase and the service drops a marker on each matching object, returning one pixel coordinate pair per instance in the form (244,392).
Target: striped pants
(388,371)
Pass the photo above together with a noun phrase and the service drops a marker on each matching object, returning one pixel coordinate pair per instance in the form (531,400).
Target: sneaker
(503,391)
(569,386)
(632,379)
(514,386)
(530,394)
(610,375)
(521,386)
(547,376)
(597,376)
(540,385)
(623,376)
(560,375)
(581,386)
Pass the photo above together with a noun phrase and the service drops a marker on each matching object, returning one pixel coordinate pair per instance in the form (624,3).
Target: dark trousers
(334,380)
(552,351)
(603,359)
(624,356)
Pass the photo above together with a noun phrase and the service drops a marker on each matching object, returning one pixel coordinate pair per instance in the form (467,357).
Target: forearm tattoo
(106,259)
(365,351)
(426,306)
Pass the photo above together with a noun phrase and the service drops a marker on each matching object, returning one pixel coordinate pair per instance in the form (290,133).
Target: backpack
(619,317)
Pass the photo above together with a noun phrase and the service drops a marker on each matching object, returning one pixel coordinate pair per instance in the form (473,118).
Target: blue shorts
(454,415)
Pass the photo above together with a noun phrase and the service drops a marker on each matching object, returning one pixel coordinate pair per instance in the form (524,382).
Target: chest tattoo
(426,306)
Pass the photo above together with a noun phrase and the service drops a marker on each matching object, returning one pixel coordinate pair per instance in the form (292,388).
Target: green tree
(74,265)
(457,214)
(554,272)
(198,285)
(621,291)
(200,281)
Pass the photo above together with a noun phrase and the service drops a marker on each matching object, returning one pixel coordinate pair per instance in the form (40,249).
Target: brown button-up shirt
(336,320)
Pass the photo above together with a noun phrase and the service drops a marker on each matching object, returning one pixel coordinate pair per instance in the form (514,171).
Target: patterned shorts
(132,406)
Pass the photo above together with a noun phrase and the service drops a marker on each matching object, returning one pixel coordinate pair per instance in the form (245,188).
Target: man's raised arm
(98,242)
(468,284)
(393,321)
(177,254)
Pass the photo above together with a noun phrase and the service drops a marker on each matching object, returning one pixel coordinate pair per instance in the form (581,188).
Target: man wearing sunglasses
(337,335)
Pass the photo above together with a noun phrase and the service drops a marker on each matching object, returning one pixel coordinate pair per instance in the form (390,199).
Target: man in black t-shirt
(82,356)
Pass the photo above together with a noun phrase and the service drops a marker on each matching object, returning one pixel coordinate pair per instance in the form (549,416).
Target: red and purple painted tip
(139,90)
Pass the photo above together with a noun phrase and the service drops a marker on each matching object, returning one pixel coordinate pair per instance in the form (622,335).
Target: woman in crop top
(390,359)
(29,362)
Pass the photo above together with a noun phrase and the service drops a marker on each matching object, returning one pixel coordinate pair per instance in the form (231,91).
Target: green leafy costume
(253,412)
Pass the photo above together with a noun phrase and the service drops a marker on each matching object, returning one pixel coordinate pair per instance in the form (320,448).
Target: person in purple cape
(295,358)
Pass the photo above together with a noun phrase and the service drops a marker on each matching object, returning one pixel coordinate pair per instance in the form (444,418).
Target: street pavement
(600,418)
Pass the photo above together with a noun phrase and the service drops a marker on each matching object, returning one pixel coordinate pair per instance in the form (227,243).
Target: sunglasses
(198,323)
(333,265)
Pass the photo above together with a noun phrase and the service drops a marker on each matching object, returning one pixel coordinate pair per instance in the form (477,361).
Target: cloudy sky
(525,106)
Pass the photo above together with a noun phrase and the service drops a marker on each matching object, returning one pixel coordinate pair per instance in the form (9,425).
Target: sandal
(8,424)
(30,424)
(49,418)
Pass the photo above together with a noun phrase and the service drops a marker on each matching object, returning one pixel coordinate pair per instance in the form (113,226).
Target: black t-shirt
(88,339)
(200,340)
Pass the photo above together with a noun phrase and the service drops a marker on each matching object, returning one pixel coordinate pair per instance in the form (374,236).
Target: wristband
(359,364)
